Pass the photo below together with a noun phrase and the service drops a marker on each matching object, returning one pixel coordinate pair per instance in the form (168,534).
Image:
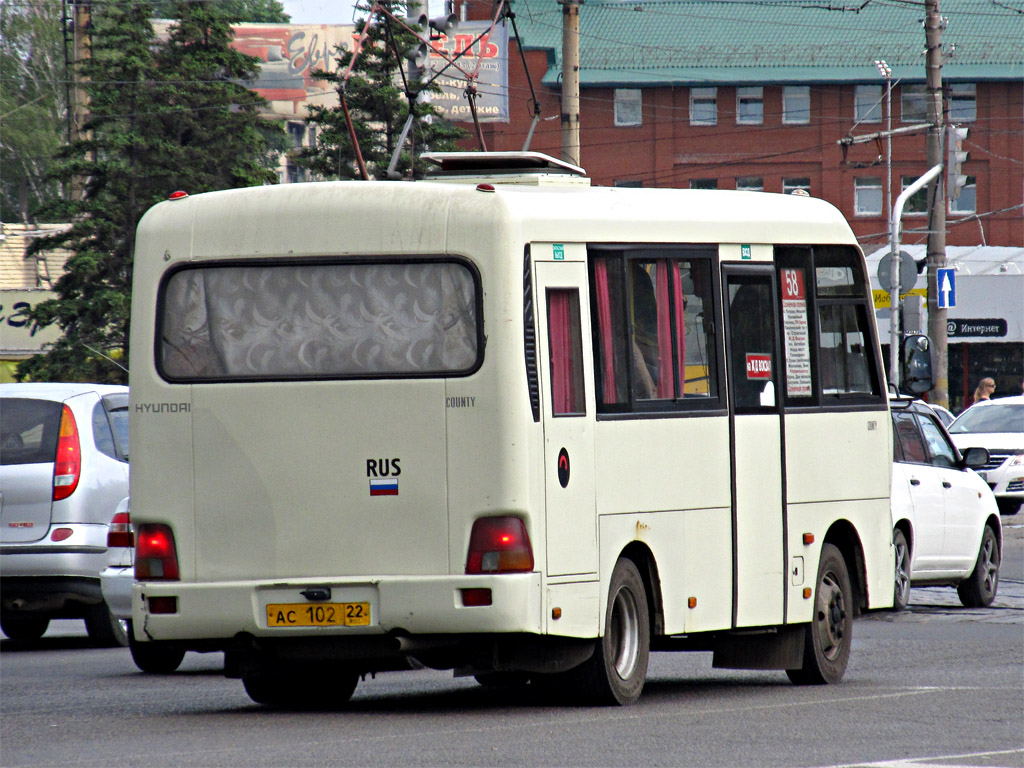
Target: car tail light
(119,533)
(156,558)
(499,545)
(67,467)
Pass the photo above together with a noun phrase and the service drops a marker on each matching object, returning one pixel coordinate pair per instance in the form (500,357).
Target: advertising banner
(470,53)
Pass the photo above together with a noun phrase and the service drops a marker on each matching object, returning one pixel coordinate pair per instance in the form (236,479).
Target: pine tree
(161,118)
(378,97)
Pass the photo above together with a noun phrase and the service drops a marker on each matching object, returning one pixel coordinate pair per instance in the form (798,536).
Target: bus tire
(979,589)
(901,589)
(615,674)
(830,633)
(299,688)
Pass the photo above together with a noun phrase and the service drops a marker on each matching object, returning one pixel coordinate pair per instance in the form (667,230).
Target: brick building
(681,93)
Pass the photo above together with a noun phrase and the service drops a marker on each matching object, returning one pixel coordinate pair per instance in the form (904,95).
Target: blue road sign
(947,288)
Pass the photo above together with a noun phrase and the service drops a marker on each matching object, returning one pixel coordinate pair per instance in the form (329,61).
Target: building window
(703,106)
(750,184)
(703,183)
(913,103)
(867,106)
(918,202)
(297,133)
(796,104)
(963,103)
(867,196)
(628,106)
(296,173)
(967,200)
(750,105)
(791,185)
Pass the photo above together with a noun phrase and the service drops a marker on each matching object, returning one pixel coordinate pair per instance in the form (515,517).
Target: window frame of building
(703,183)
(967,201)
(796,104)
(913,103)
(917,203)
(629,107)
(750,105)
(750,183)
(862,185)
(867,103)
(704,106)
(792,183)
(960,96)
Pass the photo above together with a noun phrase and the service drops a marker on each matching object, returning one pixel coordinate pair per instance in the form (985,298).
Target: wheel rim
(830,623)
(624,633)
(989,564)
(902,572)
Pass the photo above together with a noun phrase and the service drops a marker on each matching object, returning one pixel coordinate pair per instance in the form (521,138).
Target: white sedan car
(946,527)
(997,425)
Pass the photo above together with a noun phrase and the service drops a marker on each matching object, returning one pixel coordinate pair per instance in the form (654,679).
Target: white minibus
(503,422)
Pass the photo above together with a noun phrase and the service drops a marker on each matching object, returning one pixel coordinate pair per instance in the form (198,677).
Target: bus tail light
(156,558)
(119,532)
(67,467)
(499,545)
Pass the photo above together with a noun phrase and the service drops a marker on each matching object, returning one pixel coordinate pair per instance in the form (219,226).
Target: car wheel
(979,589)
(901,592)
(106,630)
(830,633)
(155,658)
(616,672)
(24,629)
(295,687)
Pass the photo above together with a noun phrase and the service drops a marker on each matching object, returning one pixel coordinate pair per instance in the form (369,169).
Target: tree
(161,117)
(257,11)
(378,95)
(33,103)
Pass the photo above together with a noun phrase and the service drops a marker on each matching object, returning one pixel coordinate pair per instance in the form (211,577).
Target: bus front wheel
(830,633)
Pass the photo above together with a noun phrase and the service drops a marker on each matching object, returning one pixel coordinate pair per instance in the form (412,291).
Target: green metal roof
(691,42)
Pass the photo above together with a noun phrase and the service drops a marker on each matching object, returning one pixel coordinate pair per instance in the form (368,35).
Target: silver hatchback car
(63,471)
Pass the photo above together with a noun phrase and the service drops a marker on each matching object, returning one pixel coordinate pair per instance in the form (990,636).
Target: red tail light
(156,558)
(67,467)
(119,533)
(499,545)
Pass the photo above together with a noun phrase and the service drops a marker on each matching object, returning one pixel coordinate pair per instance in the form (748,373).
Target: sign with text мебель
(473,50)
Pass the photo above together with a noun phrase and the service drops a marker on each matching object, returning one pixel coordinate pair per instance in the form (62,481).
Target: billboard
(479,54)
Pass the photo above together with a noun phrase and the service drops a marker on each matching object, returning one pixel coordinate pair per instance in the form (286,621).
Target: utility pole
(937,193)
(571,81)
(82,23)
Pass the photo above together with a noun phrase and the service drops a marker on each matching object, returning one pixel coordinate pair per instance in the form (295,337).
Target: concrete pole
(937,194)
(571,81)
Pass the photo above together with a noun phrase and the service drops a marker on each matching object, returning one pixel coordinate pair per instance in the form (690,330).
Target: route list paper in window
(794,321)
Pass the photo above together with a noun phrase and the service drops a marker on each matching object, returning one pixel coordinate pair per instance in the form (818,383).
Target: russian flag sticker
(383,486)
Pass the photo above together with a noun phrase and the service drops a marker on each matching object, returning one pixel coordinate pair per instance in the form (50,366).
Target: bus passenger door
(566,375)
(759,557)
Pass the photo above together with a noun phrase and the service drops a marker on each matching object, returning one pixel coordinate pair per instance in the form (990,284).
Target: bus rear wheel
(615,674)
(830,633)
(300,687)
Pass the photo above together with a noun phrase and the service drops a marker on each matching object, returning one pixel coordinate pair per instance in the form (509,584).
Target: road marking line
(927,762)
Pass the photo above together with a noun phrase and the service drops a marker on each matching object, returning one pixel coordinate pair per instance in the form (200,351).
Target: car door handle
(946,484)
(914,481)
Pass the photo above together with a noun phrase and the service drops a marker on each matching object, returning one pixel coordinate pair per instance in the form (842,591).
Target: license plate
(318,615)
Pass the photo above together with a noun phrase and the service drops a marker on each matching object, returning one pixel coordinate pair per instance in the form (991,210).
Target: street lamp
(894,256)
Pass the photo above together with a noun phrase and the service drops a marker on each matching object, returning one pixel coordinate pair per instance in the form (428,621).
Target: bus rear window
(311,321)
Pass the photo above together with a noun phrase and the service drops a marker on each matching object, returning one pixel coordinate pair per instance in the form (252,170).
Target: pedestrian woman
(984,391)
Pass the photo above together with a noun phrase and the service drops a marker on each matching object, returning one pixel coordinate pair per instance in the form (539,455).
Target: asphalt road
(937,685)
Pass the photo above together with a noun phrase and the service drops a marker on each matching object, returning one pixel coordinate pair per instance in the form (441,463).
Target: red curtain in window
(563,373)
(680,317)
(604,324)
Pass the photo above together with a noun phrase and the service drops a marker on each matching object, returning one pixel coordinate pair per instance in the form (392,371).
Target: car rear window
(322,320)
(990,418)
(29,431)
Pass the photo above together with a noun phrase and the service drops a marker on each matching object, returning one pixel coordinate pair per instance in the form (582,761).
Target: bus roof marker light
(484,187)
(178,195)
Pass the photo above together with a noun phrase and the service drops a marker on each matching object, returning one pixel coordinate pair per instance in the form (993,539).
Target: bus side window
(566,352)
